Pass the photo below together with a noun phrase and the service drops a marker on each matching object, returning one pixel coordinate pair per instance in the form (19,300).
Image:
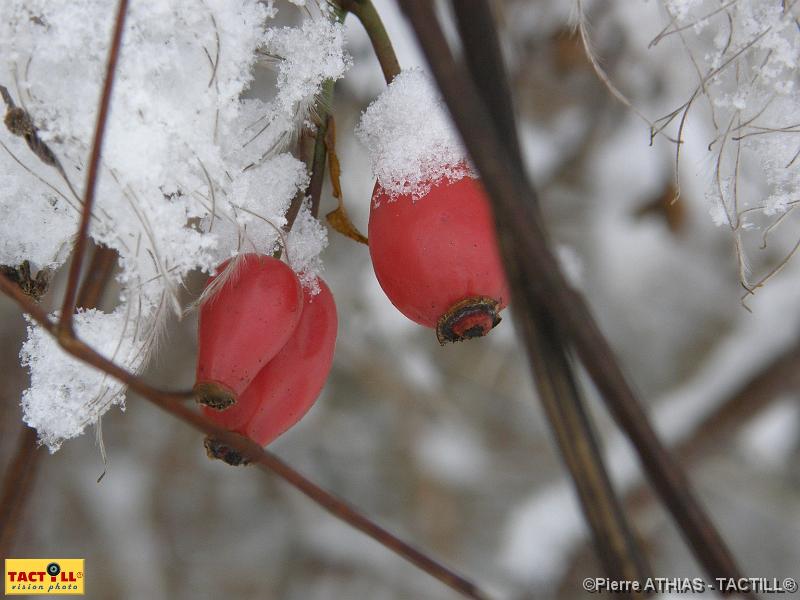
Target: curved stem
(365,12)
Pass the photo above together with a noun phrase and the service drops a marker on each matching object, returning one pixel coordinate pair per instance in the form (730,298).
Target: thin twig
(104,259)
(318,164)
(313,191)
(554,377)
(82,240)
(524,247)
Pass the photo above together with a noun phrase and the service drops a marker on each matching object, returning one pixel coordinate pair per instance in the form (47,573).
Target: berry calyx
(244,325)
(470,318)
(437,258)
(223,452)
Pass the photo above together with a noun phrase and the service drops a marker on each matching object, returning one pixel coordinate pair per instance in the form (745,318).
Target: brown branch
(82,240)
(17,483)
(104,259)
(524,248)
(20,477)
(554,377)
(172,402)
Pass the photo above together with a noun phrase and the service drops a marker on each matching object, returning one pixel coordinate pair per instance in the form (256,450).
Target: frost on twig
(191,173)
(745,58)
(410,138)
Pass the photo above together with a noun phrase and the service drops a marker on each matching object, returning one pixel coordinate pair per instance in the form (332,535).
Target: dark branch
(554,377)
(82,240)
(524,248)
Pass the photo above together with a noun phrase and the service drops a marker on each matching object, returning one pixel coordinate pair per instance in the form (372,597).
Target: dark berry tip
(221,451)
(214,395)
(469,318)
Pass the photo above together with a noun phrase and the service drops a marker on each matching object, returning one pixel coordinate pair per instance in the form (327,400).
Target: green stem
(324,106)
(365,12)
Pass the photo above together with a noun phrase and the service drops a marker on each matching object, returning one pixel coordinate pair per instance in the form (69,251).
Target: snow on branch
(192,173)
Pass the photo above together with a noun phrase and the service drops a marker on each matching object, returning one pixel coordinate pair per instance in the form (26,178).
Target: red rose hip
(437,258)
(243,326)
(286,388)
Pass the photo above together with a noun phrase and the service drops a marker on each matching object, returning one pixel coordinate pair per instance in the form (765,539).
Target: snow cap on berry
(410,137)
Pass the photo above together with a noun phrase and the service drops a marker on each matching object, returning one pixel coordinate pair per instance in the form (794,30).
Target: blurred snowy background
(448,446)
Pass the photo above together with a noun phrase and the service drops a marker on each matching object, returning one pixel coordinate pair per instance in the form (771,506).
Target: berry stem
(318,163)
(366,13)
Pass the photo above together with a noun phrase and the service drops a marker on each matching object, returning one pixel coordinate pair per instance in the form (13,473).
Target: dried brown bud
(19,122)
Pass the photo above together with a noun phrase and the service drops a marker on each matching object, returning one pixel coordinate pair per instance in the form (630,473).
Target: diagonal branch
(554,376)
(70,295)
(524,248)
(172,402)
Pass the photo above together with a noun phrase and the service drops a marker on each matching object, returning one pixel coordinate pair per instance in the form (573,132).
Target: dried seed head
(220,451)
(19,122)
(35,287)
